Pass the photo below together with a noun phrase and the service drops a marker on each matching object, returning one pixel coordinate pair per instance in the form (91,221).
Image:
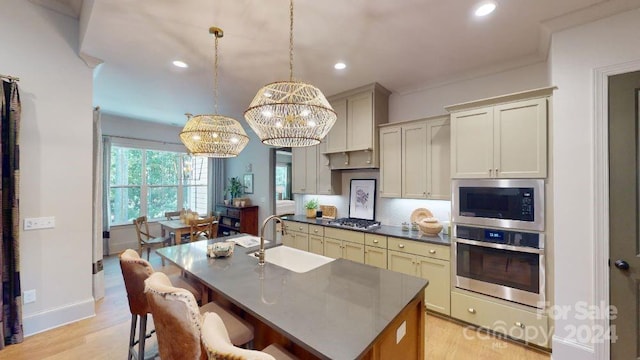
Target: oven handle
(501,246)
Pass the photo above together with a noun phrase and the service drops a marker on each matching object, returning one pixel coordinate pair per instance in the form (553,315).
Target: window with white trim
(144,181)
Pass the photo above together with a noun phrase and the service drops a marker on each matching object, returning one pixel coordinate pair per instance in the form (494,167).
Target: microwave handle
(501,246)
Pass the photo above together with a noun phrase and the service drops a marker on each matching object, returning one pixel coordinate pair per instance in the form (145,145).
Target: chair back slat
(206,227)
(135,271)
(176,317)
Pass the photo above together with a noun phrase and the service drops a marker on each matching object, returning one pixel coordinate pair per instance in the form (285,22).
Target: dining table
(178,227)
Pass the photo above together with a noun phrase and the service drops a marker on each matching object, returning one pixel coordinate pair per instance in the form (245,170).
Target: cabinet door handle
(471,310)
(401,246)
(375,241)
(490,172)
(519,324)
(496,171)
(432,251)
(300,228)
(315,231)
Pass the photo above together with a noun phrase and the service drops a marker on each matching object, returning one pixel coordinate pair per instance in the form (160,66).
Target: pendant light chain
(290,40)
(215,75)
(214,135)
(290,113)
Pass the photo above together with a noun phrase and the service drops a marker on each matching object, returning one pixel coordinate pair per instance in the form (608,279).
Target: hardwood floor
(105,336)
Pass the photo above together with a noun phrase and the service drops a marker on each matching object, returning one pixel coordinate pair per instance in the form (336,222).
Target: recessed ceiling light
(339,66)
(485,9)
(180,64)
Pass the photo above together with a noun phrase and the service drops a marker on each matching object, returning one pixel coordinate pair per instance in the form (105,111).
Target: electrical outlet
(39,223)
(29,296)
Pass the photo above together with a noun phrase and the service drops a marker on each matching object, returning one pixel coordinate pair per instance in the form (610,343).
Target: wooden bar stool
(177,318)
(135,271)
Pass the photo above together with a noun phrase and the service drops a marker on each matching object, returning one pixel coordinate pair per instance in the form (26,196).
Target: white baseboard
(98,285)
(570,350)
(50,319)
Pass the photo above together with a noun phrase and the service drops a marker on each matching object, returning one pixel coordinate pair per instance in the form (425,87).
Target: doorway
(624,197)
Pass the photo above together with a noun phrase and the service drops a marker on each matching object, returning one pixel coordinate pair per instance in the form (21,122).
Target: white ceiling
(404,45)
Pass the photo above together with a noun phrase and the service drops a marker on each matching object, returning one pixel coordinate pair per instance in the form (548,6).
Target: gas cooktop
(360,224)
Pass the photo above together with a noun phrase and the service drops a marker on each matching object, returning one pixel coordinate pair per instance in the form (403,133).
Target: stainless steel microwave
(502,203)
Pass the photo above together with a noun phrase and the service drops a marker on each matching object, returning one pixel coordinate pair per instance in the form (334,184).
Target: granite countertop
(335,311)
(395,231)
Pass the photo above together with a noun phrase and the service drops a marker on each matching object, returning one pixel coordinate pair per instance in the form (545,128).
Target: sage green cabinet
(415,159)
(352,142)
(502,137)
(429,261)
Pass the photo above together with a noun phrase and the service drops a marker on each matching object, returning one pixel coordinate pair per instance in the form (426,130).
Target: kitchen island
(340,310)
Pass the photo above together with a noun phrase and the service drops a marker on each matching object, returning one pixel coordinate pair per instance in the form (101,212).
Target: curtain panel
(11,299)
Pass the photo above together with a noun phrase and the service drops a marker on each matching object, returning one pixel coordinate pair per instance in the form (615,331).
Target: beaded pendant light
(214,135)
(290,113)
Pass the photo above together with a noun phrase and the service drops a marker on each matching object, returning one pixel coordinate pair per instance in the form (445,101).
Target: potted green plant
(311,207)
(235,188)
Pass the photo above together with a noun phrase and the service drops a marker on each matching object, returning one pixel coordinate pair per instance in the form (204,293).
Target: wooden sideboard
(234,219)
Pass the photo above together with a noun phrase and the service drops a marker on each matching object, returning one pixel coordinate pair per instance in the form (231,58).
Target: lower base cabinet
(296,236)
(375,256)
(345,244)
(296,240)
(316,244)
(428,261)
(340,249)
(530,326)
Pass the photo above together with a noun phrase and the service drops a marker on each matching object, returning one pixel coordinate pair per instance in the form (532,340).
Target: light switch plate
(29,296)
(39,223)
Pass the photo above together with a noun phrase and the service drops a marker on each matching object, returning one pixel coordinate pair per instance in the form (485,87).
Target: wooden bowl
(428,227)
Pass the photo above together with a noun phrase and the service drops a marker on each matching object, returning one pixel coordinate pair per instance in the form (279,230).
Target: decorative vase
(311,213)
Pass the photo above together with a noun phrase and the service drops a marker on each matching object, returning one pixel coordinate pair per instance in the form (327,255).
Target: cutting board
(329,211)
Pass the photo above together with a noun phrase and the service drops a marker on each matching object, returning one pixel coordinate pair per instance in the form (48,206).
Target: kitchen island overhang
(340,310)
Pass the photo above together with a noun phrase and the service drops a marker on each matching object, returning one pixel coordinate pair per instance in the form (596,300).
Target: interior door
(624,271)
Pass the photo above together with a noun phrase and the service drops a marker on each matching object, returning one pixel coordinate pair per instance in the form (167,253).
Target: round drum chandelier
(214,135)
(290,113)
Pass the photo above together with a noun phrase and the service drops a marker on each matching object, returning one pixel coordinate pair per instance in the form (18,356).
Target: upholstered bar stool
(135,271)
(177,319)
(215,340)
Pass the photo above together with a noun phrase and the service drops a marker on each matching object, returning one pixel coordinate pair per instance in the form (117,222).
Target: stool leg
(132,335)
(142,336)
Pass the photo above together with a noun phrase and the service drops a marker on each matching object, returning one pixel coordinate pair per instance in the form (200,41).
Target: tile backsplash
(392,212)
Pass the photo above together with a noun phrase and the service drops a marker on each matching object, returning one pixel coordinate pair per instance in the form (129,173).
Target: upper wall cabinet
(501,137)
(414,159)
(304,164)
(312,173)
(352,143)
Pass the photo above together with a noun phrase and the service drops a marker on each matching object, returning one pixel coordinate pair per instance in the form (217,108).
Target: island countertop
(335,311)
(385,230)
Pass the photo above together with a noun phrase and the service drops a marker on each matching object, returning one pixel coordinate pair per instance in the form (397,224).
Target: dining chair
(135,271)
(174,215)
(145,239)
(206,228)
(216,343)
(177,319)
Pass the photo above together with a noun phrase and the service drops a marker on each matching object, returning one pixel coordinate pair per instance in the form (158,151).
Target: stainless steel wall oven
(498,247)
(502,263)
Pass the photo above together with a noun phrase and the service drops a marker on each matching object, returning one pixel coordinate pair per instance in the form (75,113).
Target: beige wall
(432,100)
(40,47)
(576,54)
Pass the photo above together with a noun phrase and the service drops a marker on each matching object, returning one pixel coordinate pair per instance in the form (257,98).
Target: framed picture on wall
(362,199)
(248,183)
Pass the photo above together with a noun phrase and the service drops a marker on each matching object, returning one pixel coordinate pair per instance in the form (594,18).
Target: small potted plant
(311,207)
(235,188)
